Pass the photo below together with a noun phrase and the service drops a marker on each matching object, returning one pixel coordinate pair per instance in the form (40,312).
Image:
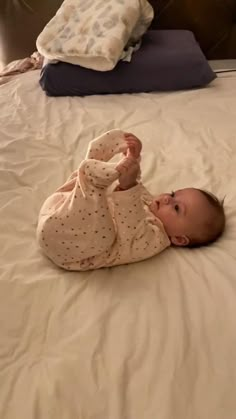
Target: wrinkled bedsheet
(151,340)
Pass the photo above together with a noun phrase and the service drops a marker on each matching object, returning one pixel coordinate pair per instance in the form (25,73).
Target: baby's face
(182,213)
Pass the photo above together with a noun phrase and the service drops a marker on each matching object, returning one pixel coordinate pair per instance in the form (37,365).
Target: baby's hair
(215,223)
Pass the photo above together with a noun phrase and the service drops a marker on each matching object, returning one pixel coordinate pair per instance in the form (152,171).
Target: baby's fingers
(131,152)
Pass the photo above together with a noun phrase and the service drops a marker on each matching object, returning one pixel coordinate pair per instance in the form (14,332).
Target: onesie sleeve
(142,234)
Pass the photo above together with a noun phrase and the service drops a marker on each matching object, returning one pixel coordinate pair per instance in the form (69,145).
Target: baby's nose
(166,200)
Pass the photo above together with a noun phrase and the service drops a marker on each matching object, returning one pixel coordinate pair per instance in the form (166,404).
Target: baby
(85,225)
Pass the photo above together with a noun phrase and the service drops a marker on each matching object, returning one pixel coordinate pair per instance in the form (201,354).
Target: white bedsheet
(150,340)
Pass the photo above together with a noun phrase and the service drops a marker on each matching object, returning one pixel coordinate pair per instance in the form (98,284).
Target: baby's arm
(136,229)
(129,171)
(139,233)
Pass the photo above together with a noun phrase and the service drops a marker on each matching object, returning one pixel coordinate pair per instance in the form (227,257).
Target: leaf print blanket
(95,33)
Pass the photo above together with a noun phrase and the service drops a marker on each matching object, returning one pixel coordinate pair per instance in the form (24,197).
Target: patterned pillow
(167,60)
(94,33)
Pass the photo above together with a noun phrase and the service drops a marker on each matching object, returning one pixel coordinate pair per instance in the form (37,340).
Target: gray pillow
(167,60)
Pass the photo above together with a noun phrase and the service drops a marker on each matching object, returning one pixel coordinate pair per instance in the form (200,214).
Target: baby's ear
(180,240)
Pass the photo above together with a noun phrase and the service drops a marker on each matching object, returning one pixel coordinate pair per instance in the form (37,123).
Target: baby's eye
(177,208)
(172,194)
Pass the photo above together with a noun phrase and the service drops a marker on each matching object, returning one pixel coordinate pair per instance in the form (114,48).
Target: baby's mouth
(157,205)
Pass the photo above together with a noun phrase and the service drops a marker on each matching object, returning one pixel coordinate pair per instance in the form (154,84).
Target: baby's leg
(107,145)
(82,228)
(102,148)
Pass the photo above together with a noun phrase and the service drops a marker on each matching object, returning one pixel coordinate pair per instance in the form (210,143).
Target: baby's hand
(129,171)
(134,145)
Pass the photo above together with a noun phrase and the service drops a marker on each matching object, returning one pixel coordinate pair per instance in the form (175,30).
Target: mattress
(149,340)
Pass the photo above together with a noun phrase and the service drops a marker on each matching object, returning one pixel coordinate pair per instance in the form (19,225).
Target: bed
(150,340)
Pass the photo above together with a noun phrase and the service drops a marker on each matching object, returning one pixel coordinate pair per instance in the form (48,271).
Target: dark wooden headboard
(212,21)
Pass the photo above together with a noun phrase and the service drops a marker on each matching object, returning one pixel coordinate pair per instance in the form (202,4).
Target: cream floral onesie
(83,226)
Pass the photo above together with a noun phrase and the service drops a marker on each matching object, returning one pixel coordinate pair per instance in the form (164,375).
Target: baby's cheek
(168,220)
